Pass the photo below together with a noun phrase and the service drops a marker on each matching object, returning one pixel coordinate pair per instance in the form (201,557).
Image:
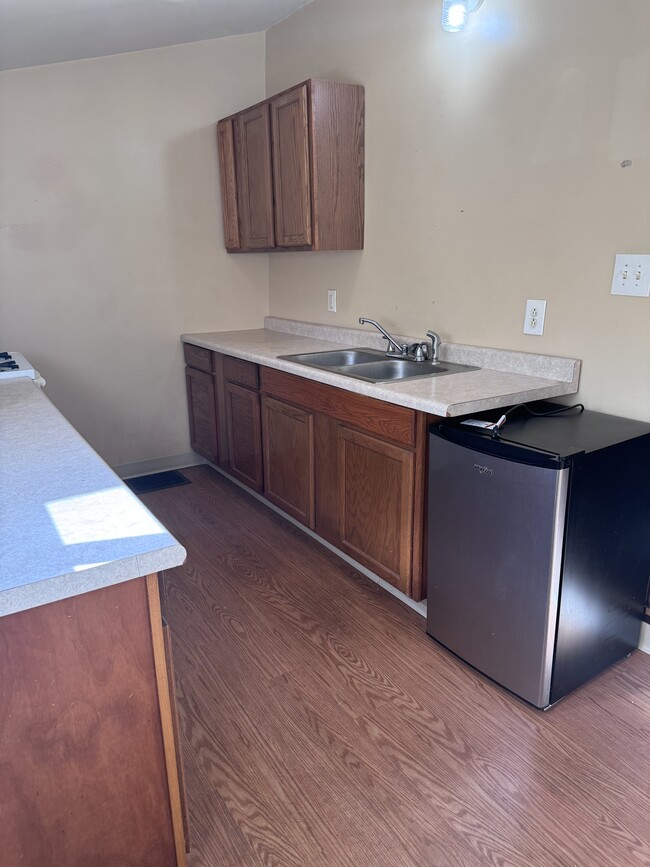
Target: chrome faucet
(398,349)
(414,352)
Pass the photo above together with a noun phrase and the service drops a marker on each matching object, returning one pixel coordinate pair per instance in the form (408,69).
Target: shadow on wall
(214,290)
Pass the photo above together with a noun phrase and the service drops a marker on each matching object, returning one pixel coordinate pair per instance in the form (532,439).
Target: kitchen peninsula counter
(68,525)
(504,377)
(91,763)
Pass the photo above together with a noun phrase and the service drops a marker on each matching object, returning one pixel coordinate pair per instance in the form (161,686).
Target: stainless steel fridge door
(495,557)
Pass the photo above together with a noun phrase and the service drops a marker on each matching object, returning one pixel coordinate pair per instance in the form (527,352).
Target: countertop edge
(66,586)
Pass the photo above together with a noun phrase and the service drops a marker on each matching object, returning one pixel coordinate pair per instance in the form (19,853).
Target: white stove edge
(25,369)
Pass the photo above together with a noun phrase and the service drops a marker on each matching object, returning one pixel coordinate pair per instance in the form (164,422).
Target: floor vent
(156,481)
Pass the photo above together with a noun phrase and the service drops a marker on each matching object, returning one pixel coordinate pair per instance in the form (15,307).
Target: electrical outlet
(631,275)
(534,318)
(331,300)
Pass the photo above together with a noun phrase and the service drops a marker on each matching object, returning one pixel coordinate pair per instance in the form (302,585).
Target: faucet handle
(419,351)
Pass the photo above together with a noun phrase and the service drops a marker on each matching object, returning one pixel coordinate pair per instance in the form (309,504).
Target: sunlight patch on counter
(101,516)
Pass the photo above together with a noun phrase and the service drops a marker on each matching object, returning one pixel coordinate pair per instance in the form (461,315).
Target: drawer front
(198,357)
(241,372)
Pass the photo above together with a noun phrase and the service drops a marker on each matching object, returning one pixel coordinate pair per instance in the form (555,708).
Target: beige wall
(111,242)
(492,176)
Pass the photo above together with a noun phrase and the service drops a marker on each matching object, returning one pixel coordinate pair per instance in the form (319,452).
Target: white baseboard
(644,641)
(158,465)
(420,607)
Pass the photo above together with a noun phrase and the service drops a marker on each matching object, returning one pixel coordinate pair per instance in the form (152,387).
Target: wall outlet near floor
(534,318)
(631,275)
(331,300)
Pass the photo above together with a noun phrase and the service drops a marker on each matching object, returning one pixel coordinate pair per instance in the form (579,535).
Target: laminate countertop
(504,377)
(68,525)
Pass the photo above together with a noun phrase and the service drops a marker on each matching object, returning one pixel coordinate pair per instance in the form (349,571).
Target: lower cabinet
(288,439)
(244,435)
(350,467)
(376,486)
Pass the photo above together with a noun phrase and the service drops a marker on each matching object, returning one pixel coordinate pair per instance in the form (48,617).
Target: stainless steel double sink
(372,365)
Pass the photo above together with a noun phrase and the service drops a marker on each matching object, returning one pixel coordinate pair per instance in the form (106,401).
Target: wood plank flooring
(321,726)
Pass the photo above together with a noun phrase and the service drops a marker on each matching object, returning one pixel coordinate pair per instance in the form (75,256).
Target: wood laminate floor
(321,726)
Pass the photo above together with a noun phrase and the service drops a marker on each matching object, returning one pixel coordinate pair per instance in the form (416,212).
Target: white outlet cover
(631,275)
(331,300)
(534,318)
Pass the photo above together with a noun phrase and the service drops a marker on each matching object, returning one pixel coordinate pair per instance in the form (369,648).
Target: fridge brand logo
(484,471)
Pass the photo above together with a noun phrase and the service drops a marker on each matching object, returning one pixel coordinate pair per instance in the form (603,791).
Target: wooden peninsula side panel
(88,767)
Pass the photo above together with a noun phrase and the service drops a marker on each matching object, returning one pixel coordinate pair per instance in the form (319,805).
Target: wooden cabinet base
(348,466)
(88,769)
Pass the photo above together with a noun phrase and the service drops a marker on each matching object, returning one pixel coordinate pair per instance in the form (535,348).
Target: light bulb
(454,15)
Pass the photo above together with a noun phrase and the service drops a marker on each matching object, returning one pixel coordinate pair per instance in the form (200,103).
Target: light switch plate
(534,318)
(631,275)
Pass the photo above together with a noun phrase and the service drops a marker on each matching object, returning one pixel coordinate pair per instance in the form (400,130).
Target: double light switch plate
(631,275)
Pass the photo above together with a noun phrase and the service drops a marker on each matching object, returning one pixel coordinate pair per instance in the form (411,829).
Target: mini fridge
(539,546)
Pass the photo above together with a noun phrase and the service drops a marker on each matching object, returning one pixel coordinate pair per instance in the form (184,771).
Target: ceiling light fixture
(456,12)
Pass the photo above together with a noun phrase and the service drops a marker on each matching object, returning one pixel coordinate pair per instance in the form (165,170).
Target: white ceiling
(34,32)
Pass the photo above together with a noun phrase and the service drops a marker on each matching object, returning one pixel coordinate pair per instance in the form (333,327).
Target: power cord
(496,430)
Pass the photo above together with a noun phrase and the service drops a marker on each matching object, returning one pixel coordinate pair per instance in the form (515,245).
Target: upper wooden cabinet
(292,170)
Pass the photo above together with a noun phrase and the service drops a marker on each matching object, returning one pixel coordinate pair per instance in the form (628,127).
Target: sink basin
(336,357)
(372,365)
(389,369)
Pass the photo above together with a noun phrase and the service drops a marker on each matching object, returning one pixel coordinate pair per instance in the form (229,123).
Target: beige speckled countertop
(505,376)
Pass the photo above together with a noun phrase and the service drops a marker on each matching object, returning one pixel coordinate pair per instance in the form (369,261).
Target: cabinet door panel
(244,435)
(202,412)
(289,459)
(291,169)
(376,482)
(226,144)
(254,184)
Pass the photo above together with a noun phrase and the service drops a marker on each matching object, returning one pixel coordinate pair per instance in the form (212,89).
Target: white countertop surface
(68,524)
(505,377)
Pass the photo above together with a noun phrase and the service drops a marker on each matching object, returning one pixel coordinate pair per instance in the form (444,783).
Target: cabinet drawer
(241,372)
(198,357)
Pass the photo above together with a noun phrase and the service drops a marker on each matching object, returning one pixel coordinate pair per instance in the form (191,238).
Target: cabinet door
(226,144)
(288,436)
(244,435)
(254,183)
(376,489)
(202,412)
(291,168)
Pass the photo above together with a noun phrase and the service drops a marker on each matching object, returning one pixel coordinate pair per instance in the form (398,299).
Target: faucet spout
(391,342)
(435,345)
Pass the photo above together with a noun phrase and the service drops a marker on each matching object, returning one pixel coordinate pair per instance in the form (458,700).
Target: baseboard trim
(644,641)
(157,465)
(420,607)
